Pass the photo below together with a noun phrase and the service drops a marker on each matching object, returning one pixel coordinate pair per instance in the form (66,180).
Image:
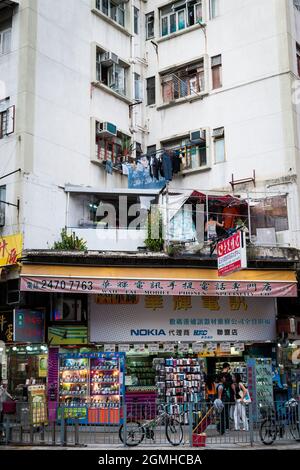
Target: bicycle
(136,432)
(278,421)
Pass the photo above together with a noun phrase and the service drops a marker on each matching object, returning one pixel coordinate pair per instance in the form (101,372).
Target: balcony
(192,221)
(109,220)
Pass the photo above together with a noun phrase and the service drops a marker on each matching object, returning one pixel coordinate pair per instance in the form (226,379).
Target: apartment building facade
(87,84)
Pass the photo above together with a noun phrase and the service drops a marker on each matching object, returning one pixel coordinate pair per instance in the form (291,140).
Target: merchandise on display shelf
(180,382)
(92,385)
(260,383)
(141,372)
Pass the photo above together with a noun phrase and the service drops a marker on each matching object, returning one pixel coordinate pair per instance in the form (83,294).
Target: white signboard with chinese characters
(109,348)
(185,319)
(198,347)
(153,347)
(225,347)
(183,347)
(211,347)
(169,347)
(139,348)
(124,347)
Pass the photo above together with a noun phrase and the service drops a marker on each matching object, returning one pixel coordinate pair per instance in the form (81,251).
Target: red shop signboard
(232,254)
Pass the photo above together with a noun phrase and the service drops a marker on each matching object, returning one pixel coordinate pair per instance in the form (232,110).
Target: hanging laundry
(167,166)
(125,169)
(109,167)
(154,168)
(176,162)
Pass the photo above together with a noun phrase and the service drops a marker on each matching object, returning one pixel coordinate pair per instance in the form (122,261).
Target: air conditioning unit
(198,136)
(109,58)
(71,310)
(106,129)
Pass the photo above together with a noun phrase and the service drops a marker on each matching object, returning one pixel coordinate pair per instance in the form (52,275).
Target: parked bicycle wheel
(295,430)
(135,433)
(268,431)
(174,432)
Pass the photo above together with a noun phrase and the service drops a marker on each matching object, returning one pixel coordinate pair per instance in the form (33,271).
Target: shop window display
(92,386)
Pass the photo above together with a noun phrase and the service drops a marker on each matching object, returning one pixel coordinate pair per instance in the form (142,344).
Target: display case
(260,383)
(92,386)
(180,382)
(73,386)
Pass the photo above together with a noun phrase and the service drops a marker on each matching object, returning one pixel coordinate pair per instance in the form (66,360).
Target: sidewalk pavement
(237,446)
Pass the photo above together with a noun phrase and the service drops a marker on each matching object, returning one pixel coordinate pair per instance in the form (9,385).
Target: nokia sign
(145,332)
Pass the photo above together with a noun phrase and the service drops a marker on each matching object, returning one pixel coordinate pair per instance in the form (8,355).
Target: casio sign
(148,332)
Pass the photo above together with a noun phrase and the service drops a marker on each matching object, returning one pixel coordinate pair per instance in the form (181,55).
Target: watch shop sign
(232,254)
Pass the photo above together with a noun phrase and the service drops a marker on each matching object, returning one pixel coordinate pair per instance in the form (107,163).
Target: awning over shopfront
(157,281)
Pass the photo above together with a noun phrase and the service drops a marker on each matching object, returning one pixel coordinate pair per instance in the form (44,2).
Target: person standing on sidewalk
(239,414)
(222,395)
(229,392)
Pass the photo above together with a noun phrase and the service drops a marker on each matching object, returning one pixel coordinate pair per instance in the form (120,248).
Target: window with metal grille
(3,123)
(150,90)
(150,25)
(185,81)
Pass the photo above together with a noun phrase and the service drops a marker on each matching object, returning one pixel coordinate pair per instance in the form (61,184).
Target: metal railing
(157,425)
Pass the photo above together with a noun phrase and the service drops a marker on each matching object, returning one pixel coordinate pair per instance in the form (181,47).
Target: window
(150,25)
(180,15)
(3,124)
(219,145)
(192,155)
(216,69)
(111,71)
(270,212)
(150,90)
(116,148)
(5,41)
(151,150)
(185,81)
(298,58)
(115,11)
(137,86)
(138,150)
(213,6)
(136,15)
(2,205)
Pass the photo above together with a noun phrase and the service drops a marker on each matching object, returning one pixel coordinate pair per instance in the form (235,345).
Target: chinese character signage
(219,320)
(232,254)
(128,290)
(10,249)
(6,327)
(29,326)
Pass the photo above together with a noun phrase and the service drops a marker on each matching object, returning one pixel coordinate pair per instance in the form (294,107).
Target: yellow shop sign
(10,249)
